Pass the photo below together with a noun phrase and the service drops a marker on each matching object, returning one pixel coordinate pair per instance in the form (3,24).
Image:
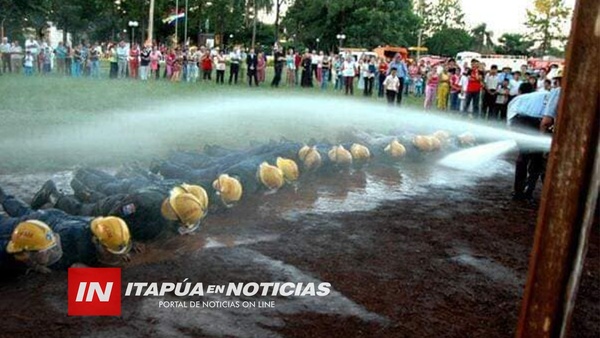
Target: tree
(365,23)
(257,5)
(448,42)
(278,5)
(514,44)
(482,39)
(545,23)
(438,15)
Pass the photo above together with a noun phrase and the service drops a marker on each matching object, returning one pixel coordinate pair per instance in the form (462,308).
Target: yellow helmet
(434,143)
(289,169)
(303,152)
(229,188)
(360,152)
(184,207)
(31,235)
(442,135)
(195,190)
(112,233)
(466,139)
(423,143)
(339,155)
(395,149)
(270,176)
(310,157)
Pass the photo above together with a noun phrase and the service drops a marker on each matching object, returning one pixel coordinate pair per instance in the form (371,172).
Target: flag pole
(186,23)
(151,21)
(176,21)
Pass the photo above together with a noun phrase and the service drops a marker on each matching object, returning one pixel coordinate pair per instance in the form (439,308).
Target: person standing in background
(155,57)
(261,65)
(489,91)
(144,63)
(32,46)
(28,63)
(431,88)
(454,89)
(220,61)
(473,90)
(349,70)
(134,61)
(325,70)
(383,69)
(369,74)
(234,65)
(61,55)
(5,50)
(443,90)
(314,59)
(94,62)
(514,84)
(297,63)
(279,61)
(16,57)
(391,85)
(122,54)
(306,70)
(290,62)
(252,63)
(499,110)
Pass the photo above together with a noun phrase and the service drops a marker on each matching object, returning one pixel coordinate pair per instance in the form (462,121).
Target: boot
(48,194)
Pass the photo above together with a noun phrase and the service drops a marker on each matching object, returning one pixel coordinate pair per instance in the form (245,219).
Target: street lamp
(133,24)
(341,37)
(318,44)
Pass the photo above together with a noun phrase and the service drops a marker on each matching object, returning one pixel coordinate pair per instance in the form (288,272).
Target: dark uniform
(137,201)
(74,231)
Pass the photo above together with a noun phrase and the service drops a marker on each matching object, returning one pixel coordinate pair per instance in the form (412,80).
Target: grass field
(55,122)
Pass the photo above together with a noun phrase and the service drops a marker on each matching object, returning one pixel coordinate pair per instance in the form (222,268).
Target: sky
(501,16)
(504,16)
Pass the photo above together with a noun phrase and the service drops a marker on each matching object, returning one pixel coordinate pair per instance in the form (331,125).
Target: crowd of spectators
(473,89)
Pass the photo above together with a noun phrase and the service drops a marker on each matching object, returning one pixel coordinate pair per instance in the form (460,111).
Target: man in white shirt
(541,79)
(5,50)
(348,72)
(463,82)
(33,47)
(391,85)
(513,86)
(315,60)
(122,55)
(489,96)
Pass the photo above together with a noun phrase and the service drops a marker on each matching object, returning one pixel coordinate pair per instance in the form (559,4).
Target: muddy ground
(409,252)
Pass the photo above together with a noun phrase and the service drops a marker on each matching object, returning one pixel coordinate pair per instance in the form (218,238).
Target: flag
(173,17)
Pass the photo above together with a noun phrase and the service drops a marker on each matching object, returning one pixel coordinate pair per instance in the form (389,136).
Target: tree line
(438,24)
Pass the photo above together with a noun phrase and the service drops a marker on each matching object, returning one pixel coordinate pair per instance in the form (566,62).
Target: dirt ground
(409,253)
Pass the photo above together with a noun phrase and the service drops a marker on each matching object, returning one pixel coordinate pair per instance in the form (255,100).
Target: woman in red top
(383,67)
(169,61)
(134,61)
(261,65)
(207,64)
(432,83)
(474,87)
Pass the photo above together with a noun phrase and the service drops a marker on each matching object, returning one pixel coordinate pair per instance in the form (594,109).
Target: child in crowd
(430,90)
(501,104)
(391,85)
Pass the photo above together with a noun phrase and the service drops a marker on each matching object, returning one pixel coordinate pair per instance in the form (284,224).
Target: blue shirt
(552,103)
(400,66)
(532,104)
(503,76)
